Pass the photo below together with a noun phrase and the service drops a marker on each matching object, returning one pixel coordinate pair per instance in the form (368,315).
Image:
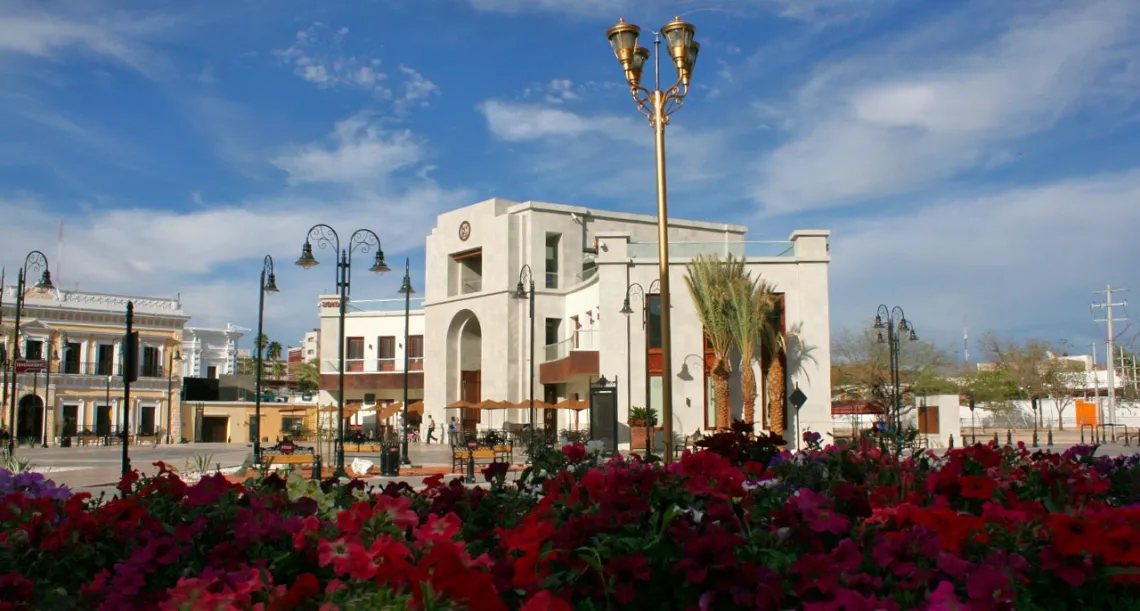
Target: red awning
(857,407)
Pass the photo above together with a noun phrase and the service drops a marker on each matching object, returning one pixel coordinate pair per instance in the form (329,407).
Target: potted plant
(640,419)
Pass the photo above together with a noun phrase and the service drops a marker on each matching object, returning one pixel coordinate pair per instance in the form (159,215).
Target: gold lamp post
(657,105)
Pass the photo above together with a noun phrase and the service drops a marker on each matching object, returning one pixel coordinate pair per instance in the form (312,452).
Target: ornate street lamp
(362,240)
(657,105)
(268,284)
(635,290)
(406,290)
(521,292)
(894,321)
(35,262)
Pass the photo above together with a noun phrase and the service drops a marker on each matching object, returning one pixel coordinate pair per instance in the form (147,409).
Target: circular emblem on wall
(464,230)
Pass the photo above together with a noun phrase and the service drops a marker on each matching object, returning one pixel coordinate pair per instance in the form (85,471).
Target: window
(71,358)
(150,365)
(369,398)
(33,349)
(552,327)
(710,388)
(292,426)
(653,324)
(386,355)
(553,240)
(105,360)
(655,396)
(416,353)
(354,354)
(212,372)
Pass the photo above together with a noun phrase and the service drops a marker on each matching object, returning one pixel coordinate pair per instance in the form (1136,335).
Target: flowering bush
(737,525)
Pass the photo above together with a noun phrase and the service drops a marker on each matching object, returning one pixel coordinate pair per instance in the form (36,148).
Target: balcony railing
(373,365)
(382,305)
(100,368)
(583,340)
(472,286)
(688,250)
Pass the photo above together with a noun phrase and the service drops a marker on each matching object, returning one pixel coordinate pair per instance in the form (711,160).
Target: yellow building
(69,360)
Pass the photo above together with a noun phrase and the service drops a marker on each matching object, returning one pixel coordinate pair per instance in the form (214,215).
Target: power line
(1109,339)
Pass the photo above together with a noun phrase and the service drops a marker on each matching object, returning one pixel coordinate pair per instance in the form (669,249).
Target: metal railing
(586,274)
(471,286)
(587,339)
(382,305)
(687,250)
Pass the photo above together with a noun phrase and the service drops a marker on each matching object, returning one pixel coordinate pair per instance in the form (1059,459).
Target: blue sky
(972,159)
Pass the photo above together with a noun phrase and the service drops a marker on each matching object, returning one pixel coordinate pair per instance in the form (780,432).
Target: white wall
(204,348)
(385,319)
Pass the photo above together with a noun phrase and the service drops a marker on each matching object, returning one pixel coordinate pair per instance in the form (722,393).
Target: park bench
(481,455)
(288,453)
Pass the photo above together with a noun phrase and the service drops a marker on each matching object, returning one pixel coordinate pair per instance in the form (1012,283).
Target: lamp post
(657,106)
(406,290)
(268,284)
(894,321)
(33,263)
(363,240)
(175,356)
(635,290)
(526,291)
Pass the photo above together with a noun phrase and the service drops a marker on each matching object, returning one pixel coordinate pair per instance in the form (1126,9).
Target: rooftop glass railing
(686,250)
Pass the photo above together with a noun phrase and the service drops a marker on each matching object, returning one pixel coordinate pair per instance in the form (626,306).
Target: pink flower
(397,508)
(988,584)
(943,598)
(438,529)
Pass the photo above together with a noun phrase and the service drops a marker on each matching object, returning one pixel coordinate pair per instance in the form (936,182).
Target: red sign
(330,304)
(472,444)
(26,365)
(286,447)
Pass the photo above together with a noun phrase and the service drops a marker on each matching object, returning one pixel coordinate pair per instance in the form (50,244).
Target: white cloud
(857,134)
(417,90)
(1014,260)
(317,57)
(527,122)
(359,151)
(822,11)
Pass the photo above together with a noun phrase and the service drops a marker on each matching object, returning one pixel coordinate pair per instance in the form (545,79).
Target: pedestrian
(453,430)
(431,430)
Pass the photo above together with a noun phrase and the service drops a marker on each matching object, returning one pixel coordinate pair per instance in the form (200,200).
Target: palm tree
(752,302)
(309,375)
(278,370)
(711,281)
(779,351)
(273,357)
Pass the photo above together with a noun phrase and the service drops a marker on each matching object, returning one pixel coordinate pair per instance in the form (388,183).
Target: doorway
(103,420)
(70,420)
(30,419)
(146,421)
(215,429)
(472,382)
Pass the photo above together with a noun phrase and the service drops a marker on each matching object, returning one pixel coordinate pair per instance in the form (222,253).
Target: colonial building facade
(209,353)
(583,262)
(69,365)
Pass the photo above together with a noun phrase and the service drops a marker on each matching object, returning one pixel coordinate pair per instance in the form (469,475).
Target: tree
(1064,381)
(1028,365)
(782,347)
(861,364)
(273,351)
(309,376)
(278,370)
(711,281)
(751,302)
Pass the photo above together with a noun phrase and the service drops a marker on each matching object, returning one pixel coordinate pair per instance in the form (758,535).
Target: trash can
(390,459)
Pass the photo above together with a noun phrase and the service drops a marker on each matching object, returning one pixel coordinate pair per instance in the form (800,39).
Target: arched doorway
(30,418)
(465,362)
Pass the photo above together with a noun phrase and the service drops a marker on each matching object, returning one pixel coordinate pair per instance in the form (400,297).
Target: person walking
(431,430)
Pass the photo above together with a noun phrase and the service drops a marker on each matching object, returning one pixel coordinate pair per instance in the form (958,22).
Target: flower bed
(739,525)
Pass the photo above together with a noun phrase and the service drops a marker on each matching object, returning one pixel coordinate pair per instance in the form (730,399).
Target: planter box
(637,437)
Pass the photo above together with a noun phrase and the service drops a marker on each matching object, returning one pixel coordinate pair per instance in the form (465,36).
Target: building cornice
(627,217)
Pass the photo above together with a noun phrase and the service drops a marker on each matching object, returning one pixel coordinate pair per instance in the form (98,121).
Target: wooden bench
(287,453)
(365,448)
(481,455)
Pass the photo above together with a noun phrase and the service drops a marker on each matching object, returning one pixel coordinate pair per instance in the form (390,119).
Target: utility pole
(1096,387)
(1110,338)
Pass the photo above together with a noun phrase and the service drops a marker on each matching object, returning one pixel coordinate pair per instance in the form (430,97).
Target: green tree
(309,376)
(711,282)
(273,351)
(861,365)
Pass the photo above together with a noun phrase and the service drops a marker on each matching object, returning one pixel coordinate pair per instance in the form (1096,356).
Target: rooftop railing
(382,305)
(686,250)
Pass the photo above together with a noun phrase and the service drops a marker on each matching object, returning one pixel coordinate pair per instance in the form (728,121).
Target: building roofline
(623,216)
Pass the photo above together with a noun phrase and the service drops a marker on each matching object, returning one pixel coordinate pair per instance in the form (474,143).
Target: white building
(583,261)
(209,353)
(374,352)
(310,345)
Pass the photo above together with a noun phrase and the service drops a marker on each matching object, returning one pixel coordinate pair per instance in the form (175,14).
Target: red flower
(988,584)
(974,487)
(624,572)
(574,452)
(397,508)
(438,529)
(306,586)
(545,601)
